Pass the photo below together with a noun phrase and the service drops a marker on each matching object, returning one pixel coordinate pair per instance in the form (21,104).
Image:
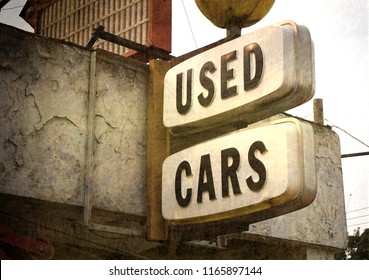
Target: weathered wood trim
(157,151)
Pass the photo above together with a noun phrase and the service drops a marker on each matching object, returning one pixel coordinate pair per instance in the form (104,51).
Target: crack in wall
(56,118)
(35,103)
(5,106)
(100,132)
(108,123)
(17,158)
(131,122)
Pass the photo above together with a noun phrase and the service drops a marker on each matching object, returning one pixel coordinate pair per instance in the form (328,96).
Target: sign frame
(294,70)
(290,199)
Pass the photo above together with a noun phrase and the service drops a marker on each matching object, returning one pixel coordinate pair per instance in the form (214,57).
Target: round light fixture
(232,14)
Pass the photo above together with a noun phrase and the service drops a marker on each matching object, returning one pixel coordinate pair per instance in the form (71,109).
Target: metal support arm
(99,33)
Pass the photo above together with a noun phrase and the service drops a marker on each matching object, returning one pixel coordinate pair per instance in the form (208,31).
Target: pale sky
(339,30)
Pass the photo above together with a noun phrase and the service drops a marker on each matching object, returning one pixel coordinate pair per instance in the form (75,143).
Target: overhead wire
(357,209)
(189,23)
(358,224)
(357,217)
(349,134)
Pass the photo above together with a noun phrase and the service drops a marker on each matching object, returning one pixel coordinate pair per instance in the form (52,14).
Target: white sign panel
(250,78)
(269,168)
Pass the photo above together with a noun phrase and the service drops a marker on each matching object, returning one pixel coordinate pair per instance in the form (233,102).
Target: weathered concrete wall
(323,222)
(44,89)
(120,133)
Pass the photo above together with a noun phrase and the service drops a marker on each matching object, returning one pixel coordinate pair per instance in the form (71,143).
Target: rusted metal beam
(179,59)
(355,155)
(99,33)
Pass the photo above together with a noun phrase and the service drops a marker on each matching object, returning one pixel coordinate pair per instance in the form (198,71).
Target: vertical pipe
(88,187)
(318,111)
(158,144)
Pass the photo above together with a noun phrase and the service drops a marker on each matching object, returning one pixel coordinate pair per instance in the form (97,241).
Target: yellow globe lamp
(234,14)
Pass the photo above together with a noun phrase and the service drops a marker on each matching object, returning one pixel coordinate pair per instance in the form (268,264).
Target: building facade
(146,22)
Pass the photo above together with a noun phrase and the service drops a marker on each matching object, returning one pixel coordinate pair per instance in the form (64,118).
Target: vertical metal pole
(318,111)
(157,151)
(88,188)
(233,30)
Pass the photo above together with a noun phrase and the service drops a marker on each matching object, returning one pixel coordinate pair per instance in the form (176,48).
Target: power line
(349,134)
(358,224)
(352,136)
(355,155)
(189,24)
(357,217)
(357,210)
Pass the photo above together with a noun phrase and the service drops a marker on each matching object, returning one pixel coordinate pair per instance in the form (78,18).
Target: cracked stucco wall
(323,222)
(44,87)
(120,133)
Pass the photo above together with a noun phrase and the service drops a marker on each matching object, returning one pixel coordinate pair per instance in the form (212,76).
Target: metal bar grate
(75,20)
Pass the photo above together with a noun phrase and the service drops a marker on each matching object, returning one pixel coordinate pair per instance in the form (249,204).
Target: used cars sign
(269,168)
(247,79)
